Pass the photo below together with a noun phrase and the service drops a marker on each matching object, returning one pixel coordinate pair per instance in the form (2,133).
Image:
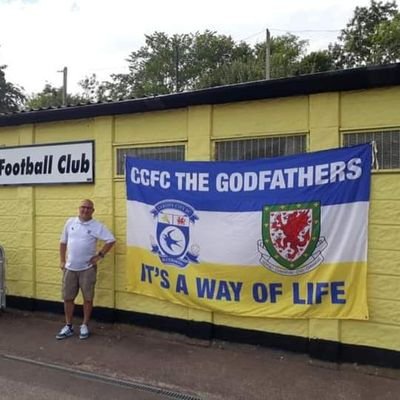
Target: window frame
(258,137)
(375,130)
(117,147)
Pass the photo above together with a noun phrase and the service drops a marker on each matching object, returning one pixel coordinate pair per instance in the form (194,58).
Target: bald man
(78,261)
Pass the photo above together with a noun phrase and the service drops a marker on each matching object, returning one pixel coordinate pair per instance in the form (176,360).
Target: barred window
(249,149)
(387,141)
(172,153)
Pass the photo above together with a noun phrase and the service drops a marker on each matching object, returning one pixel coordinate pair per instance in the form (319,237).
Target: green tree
(316,61)
(174,64)
(167,64)
(93,90)
(371,37)
(218,60)
(11,96)
(286,52)
(388,35)
(51,96)
(235,71)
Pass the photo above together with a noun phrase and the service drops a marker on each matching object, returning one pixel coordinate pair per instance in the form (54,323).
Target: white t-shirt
(81,238)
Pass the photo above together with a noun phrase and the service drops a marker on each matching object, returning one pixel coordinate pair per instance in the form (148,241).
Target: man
(79,260)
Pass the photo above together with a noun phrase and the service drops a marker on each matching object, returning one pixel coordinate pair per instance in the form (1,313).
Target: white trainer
(84,332)
(65,332)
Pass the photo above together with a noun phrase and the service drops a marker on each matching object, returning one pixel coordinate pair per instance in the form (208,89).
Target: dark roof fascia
(333,81)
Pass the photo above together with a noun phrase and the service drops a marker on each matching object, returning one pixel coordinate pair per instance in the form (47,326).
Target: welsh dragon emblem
(290,237)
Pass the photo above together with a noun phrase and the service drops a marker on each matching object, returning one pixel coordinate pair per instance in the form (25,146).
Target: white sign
(47,164)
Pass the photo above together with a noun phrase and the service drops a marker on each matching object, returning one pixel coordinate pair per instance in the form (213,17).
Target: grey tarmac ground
(176,366)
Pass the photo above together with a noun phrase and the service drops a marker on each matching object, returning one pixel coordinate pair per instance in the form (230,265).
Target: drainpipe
(2,279)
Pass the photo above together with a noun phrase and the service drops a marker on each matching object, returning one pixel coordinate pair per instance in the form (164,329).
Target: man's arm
(102,253)
(63,252)
(106,248)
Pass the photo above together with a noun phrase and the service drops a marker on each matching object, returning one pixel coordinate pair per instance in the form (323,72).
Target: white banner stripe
(231,238)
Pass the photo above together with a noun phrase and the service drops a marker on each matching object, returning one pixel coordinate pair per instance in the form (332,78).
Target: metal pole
(64,88)
(65,72)
(267,55)
(177,66)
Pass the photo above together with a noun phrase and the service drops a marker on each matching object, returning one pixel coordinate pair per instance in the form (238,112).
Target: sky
(38,38)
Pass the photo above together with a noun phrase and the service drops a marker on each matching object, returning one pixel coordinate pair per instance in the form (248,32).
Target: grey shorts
(75,280)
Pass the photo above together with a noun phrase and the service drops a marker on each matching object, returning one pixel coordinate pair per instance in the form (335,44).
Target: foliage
(11,96)
(51,96)
(388,35)
(178,63)
(286,52)
(371,37)
(316,61)
(235,71)
(93,90)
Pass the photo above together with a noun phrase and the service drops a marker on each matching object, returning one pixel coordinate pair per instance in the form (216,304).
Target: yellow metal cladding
(156,127)
(31,218)
(370,108)
(260,118)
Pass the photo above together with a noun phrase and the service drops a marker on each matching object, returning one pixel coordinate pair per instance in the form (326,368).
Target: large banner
(282,237)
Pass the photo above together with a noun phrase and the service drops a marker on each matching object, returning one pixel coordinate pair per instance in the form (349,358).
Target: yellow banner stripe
(329,291)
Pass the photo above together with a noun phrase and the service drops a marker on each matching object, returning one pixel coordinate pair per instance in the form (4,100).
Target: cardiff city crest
(291,243)
(173,222)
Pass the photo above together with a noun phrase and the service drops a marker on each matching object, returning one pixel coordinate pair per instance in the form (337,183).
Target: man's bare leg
(87,311)
(69,306)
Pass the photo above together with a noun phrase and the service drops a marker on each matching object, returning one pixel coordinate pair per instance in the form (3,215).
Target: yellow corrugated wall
(31,218)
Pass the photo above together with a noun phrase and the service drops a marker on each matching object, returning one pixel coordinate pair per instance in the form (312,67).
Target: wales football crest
(291,242)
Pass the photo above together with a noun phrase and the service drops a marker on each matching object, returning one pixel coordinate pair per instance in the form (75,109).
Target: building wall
(31,218)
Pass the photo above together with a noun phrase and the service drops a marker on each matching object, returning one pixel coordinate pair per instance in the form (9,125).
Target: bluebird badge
(174,219)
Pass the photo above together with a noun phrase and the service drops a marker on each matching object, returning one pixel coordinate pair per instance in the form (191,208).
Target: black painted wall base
(319,349)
